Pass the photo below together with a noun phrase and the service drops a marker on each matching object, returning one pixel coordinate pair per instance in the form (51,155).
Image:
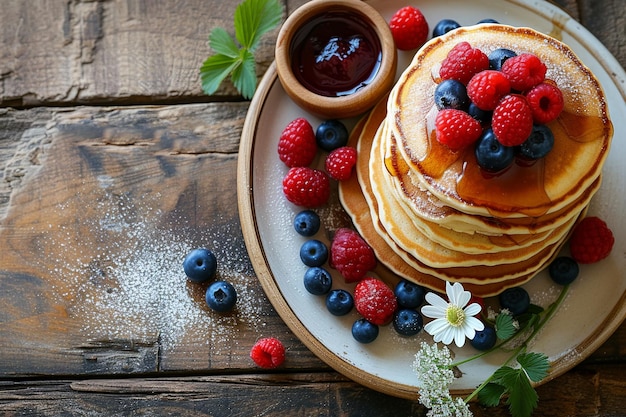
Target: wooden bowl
(328,105)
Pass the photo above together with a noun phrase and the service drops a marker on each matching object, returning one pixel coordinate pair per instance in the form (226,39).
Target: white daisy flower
(454,319)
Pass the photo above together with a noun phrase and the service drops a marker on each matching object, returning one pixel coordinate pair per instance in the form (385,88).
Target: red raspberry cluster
(297,148)
(518,94)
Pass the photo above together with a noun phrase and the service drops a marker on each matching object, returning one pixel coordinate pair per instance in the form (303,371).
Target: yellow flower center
(455,315)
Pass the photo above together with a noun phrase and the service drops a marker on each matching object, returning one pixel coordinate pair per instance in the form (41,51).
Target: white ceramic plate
(595,306)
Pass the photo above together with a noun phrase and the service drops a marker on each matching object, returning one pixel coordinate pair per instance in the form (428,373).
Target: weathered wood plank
(588,390)
(55,51)
(93,237)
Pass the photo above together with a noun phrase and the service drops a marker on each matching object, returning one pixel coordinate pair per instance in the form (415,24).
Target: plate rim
(256,251)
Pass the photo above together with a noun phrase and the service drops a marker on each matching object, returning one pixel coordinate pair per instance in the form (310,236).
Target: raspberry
(306,187)
(375,301)
(487,88)
(351,255)
(546,102)
(296,145)
(463,62)
(524,71)
(512,120)
(409,28)
(339,163)
(591,241)
(456,129)
(268,353)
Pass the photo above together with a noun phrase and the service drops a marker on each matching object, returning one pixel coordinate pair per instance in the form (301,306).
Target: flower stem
(550,311)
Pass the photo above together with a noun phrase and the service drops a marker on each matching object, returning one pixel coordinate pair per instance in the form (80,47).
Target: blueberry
(444,26)
(409,294)
(331,134)
(200,265)
(407,322)
(498,56)
(364,332)
(317,280)
(483,116)
(487,20)
(563,270)
(484,339)
(307,223)
(451,94)
(313,253)
(515,299)
(538,144)
(491,155)
(221,296)
(339,302)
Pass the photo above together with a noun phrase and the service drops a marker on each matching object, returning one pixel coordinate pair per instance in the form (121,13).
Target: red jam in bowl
(335,54)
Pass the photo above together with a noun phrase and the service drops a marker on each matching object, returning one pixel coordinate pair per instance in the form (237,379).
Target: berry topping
(444,26)
(538,144)
(451,94)
(268,353)
(296,145)
(515,299)
(409,28)
(484,339)
(221,296)
(512,120)
(364,332)
(591,241)
(200,265)
(456,129)
(498,56)
(407,322)
(524,71)
(487,88)
(306,187)
(546,102)
(463,62)
(409,294)
(351,255)
(317,280)
(563,270)
(491,155)
(339,302)
(307,223)
(340,162)
(375,301)
(331,134)
(313,253)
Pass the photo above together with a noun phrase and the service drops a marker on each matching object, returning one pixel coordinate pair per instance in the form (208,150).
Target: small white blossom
(454,319)
(433,367)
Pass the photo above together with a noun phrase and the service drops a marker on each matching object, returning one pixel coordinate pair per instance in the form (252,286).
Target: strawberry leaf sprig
(235,57)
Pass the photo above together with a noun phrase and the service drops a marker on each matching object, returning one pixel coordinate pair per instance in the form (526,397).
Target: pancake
(431,215)
(582,132)
(392,266)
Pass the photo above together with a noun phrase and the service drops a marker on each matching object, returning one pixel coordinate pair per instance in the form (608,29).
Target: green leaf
(536,365)
(222,43)
(214,70)
(253,18)
(522,397)
(244,76)
(490,394)
(504,326)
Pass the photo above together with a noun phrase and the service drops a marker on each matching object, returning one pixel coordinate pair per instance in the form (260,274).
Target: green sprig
(253,18)
(514,384)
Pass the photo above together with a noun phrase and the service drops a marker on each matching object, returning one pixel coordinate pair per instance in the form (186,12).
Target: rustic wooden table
(114,165)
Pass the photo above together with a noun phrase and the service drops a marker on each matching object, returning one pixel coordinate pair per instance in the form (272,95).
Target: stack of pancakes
(432,215)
